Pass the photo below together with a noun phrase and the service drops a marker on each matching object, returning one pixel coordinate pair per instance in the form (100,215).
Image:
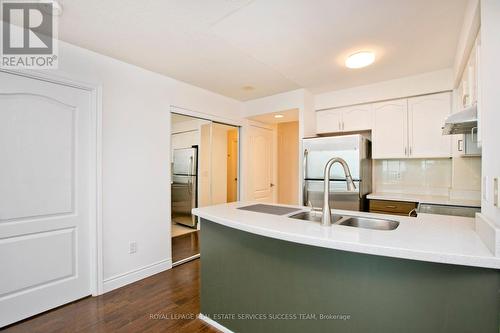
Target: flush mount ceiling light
(248,88)
(277,116)
(360,59)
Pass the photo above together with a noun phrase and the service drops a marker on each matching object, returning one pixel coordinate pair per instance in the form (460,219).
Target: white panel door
(328,121)
(44,196)
(426,117)
(357,118)
(261,164)
(390,129)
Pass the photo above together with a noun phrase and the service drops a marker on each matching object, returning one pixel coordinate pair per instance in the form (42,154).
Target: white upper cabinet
(390,129)
(345,119)
(426,115)
(329,121)
(411,128)
(357,118)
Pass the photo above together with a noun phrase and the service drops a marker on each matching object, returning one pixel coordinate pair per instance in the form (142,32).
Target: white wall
(408,86)
(490,103)
(136,162)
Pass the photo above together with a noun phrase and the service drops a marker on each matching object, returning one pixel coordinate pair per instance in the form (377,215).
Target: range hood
(461,122)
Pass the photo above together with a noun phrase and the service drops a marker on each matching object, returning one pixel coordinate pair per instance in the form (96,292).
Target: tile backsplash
(416,176)
(457,178)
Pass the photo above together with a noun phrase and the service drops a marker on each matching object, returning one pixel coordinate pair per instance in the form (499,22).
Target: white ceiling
(268,118)
(270,45)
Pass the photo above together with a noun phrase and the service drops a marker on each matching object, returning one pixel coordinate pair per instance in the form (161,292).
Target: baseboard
(121,280)
(214,324)
(489,233)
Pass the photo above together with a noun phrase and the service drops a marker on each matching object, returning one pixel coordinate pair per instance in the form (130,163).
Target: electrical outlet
(132,247)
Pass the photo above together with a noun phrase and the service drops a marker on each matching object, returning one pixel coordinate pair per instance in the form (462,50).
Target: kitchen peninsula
(430,274)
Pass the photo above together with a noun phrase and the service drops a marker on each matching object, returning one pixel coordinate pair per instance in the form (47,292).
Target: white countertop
(422,198)
(432,238)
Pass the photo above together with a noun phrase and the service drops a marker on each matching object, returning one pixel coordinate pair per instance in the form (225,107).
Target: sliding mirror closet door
(205,162)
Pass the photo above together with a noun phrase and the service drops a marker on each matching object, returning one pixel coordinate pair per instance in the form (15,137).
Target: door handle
(272,185)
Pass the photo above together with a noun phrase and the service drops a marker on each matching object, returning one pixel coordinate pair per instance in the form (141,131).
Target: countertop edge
(420,255)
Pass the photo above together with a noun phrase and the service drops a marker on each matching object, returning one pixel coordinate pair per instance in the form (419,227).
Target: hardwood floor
(166,302)
(185,246)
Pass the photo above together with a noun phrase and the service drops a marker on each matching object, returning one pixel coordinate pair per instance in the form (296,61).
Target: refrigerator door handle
(304,184)
(191,164)
(190,186)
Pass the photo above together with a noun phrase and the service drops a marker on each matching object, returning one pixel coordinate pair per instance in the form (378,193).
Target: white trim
(214,324)
(182,261)
(202,115)
(95,227)
(132,276)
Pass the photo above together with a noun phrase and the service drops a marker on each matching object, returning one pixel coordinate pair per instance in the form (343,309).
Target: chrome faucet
(326,218)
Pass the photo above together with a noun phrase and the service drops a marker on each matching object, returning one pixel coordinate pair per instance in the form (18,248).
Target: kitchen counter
(422,198)
(430,238)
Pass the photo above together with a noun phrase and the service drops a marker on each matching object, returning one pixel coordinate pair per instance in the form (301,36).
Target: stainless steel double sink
(350,221)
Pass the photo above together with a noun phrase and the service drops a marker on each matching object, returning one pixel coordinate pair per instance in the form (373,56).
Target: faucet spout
(326,219)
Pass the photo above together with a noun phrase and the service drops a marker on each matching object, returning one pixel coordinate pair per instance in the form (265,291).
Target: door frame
(95,202)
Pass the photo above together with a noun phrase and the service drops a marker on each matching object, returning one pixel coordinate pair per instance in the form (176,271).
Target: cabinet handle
(410,151)
(343,126)
(340,126)
(405,151)
(390,207)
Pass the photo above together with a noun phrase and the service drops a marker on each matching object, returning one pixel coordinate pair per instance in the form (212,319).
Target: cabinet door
(390,129)
(357,118)
(426,115)
(328,121)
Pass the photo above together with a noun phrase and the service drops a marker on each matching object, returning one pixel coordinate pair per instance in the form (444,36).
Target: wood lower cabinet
(391,207)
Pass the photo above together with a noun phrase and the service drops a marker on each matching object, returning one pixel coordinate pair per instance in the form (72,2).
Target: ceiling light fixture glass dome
(360,59)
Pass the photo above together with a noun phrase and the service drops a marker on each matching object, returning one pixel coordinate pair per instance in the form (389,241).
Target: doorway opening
(204,172)
(273,158)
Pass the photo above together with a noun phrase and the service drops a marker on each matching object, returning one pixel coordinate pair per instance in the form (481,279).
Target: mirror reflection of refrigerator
(356,151)
(184,185)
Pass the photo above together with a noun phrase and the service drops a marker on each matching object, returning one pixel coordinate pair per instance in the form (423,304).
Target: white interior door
(261,164)
(44,196)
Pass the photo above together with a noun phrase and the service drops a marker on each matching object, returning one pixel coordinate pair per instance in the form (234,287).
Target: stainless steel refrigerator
(184,185)
(356,151)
